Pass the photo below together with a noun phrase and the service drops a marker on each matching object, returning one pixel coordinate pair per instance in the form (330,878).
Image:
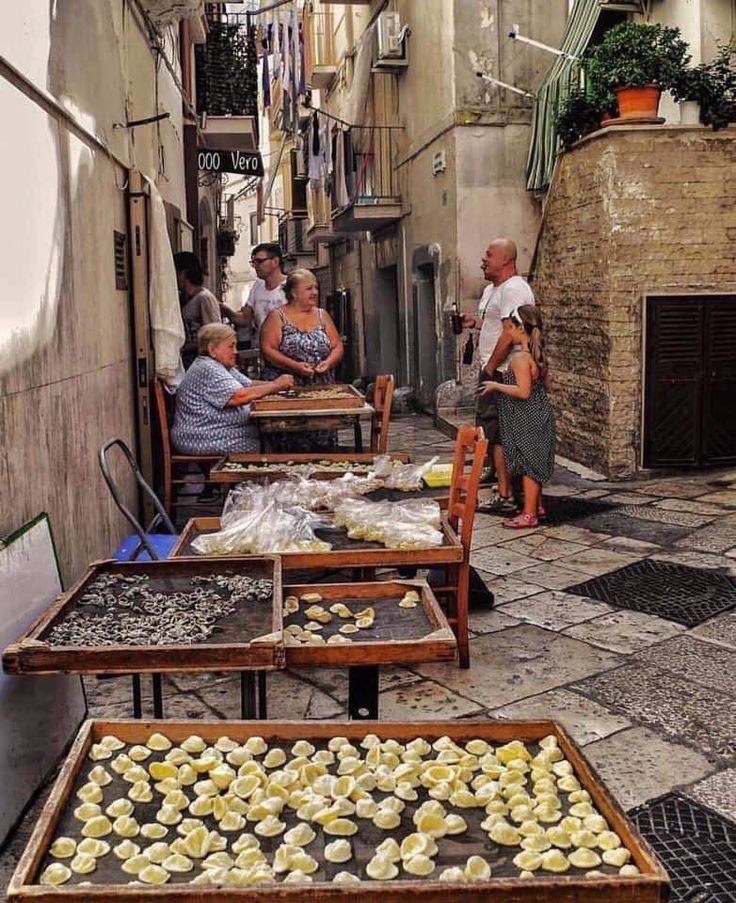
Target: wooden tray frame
(449,553)
(652,886)
(277,404)
(437,645)
(219,475)
(31,655)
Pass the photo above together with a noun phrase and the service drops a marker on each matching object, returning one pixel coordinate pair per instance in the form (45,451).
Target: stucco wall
(65,368)
(630,212)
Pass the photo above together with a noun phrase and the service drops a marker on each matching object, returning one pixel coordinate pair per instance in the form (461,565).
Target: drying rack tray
(650,886)
(250,638)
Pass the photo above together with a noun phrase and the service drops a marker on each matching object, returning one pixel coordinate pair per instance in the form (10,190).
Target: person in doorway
(266,293)
(301,339)
(213,400)
(506,292)
(526,418)
(199,306)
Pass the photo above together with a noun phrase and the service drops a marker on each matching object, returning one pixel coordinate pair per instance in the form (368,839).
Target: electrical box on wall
(391,44)
(439,162)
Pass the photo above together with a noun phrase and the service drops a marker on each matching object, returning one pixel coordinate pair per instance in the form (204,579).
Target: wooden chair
(471,446)
(172,460)
(382,398)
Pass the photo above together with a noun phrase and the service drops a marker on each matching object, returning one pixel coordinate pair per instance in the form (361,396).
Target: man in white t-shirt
(267,292)
(506,292)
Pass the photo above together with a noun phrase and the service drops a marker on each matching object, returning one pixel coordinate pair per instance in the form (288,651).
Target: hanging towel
(296,41)
(167,328)
(265,82)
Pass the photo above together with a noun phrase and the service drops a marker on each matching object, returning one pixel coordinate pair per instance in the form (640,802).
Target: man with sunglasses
(267,292)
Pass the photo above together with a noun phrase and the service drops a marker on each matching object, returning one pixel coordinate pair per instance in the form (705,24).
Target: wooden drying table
(250,640)
(345,552)
(289,413)
(221,474)
(399,636)
(650,886)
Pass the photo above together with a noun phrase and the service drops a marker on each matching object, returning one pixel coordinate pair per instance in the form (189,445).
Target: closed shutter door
(719,377)
(673,382)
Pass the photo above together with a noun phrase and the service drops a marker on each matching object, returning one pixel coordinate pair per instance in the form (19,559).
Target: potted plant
(637,62)
(578,115)
(718,89)
(226,239)
(688,90)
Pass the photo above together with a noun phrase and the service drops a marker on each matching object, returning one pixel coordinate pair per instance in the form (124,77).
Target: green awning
(564,73)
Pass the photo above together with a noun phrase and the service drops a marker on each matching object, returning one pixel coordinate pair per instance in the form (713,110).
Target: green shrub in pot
(635,54)
(577,116)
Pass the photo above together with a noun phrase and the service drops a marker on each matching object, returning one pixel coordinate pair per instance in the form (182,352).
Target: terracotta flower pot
(638,103)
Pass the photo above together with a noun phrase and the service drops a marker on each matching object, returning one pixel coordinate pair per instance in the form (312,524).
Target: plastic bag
(410,524)
(262,530)
(408,477)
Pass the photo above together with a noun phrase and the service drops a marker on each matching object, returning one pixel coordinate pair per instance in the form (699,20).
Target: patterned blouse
(203,425)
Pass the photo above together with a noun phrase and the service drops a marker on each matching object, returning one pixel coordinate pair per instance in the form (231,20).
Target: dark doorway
(690,393)
(425,334)
(385,343)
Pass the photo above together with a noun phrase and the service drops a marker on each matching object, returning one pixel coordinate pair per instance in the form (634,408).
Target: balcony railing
(321,55)
(293,235)
(227,83)
(369,198)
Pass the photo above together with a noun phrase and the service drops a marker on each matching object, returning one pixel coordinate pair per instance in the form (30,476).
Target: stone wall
(631,212)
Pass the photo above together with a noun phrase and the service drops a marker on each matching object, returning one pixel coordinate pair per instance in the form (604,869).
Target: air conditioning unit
(391,43)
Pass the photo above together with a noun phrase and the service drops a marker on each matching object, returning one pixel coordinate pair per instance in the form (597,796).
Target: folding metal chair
(144,544)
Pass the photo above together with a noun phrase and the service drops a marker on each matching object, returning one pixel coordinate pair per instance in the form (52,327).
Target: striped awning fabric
(563,74)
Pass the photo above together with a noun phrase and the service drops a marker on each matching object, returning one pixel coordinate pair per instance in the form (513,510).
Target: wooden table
(280,466)
(249,641)
(504,886)
(398,636)
(345,553)
(301,420)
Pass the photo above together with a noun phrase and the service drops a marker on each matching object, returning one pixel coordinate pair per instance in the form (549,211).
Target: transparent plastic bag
(408,477)
(263,530)
(410,524)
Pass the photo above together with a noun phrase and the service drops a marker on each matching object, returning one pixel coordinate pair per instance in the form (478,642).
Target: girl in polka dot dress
(526,419)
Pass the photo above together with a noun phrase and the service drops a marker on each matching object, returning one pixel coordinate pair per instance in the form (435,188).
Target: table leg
(262,702)
(358,433)
(158,698)
(137,703)
(247,695)
(363,693)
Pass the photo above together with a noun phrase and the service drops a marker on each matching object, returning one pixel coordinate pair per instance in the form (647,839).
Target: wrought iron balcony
(227,84)
(370,199)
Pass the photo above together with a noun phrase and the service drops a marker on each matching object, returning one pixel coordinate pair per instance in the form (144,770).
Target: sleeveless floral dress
(309,347)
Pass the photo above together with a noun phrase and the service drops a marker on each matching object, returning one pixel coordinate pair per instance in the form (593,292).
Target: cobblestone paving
(652,703)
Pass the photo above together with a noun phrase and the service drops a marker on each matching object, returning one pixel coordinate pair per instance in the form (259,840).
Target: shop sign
(238,162)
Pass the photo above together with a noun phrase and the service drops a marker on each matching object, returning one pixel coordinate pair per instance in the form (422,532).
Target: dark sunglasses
(260,259)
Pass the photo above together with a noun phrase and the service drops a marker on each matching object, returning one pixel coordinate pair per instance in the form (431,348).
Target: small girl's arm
(523,372)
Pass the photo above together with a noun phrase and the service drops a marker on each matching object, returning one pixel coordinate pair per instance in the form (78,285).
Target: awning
(555,86)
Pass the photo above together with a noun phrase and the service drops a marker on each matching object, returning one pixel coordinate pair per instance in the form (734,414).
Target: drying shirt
(203,425)
(262,301)
(496,303)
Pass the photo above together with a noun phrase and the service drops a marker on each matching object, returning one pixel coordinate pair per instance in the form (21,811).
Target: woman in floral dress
(301,339)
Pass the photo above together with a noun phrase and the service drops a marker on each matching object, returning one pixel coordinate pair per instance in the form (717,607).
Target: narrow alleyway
(647,690)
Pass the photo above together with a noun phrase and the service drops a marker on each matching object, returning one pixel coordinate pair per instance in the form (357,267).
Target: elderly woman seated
(213,400)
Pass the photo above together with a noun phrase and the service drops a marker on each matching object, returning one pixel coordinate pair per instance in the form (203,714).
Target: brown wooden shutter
(719,377)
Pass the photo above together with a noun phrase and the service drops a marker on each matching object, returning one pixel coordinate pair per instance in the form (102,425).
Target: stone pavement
(651,700)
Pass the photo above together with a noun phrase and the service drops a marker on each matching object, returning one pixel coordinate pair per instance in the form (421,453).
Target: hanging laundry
(286,117)
(265,83)
(297,60)
(316,166)
(276,43)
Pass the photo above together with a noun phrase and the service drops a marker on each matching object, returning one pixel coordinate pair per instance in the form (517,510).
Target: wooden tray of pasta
(306,398)
(345,552)
(240,467)
(389,781)
(339,625)
(159,616)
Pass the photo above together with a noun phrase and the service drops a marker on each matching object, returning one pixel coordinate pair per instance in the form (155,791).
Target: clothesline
(352,125)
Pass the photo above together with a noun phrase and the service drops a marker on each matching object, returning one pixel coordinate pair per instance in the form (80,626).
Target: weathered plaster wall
(65,361)
(629,213)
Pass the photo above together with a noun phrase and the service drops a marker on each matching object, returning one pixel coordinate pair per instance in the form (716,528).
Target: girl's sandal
(521,522)
(541,511)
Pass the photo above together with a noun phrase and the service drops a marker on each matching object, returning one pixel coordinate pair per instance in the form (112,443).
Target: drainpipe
(435,250)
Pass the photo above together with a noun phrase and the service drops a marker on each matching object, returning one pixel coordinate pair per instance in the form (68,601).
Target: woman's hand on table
(285,381)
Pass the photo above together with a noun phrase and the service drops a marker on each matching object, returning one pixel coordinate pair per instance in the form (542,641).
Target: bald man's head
(499,262)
